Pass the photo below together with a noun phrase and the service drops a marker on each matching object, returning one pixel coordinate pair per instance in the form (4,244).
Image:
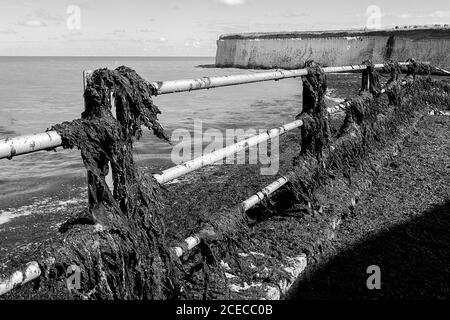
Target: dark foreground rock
(401,225)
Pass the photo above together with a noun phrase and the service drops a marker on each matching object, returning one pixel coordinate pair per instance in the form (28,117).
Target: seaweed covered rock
(370,122)
(118,242)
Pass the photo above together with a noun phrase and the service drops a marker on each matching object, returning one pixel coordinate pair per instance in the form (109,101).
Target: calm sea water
(36,93)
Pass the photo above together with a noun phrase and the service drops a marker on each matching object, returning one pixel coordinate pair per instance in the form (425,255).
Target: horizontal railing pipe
(30,272)
(268,190)
(443,71)
(164,87)
(210,158)
(49,140)
(11,147)
(192,241)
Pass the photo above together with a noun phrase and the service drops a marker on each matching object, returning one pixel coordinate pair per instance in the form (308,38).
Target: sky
(185,27)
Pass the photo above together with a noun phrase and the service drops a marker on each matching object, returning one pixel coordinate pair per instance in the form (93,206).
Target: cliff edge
(290,50)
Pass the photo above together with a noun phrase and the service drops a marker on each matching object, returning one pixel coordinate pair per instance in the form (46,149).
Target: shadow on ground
(414,259)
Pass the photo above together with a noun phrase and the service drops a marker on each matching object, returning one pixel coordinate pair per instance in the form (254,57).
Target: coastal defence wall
(332,48)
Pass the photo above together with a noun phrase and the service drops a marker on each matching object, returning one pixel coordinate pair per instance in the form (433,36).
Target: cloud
(82,4)
(288,14)
(40,18)
(7,31)
(232,2)
(72,34)
(33,23)
(145,30)
(42,14)
(440,14)
(193,42)
(292,14)
(221,27)
(398,15)
(404,15)
(435,14)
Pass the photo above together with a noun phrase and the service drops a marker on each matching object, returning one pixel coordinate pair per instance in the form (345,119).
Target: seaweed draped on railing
(315,132)
(370,121)
(119,240)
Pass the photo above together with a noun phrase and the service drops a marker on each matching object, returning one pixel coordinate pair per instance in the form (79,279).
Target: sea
(38,92)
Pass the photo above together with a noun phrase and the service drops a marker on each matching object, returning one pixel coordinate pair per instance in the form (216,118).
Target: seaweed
(315,131)
(118,242)
(418,68)
(370,79)
(370,122)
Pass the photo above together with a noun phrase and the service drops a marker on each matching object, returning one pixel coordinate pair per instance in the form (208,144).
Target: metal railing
(50,140)
(12,147)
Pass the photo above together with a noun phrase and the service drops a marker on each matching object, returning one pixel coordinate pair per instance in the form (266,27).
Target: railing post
(415,68)
(109,177)
(393,90)
(315,132)
(124,206)
(369,79)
